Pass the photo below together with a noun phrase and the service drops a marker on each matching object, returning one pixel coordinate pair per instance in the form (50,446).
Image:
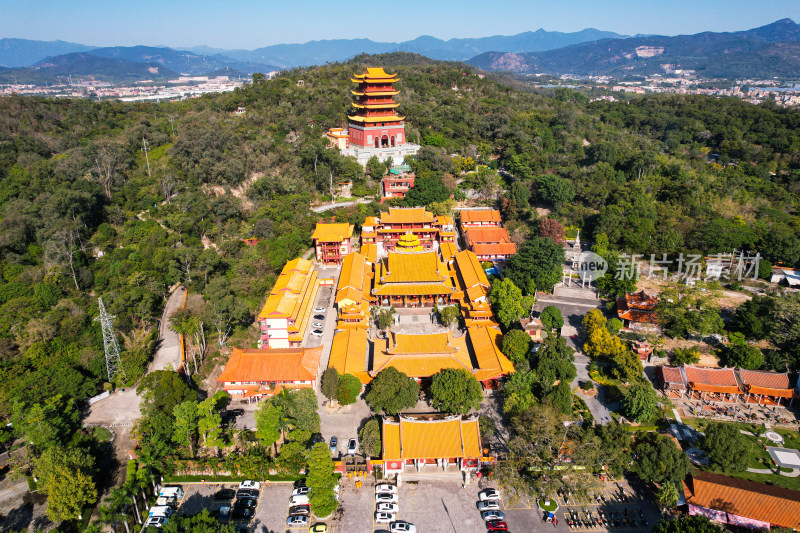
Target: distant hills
(767,51)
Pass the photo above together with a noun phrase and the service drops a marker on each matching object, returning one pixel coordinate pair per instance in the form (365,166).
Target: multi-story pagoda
(375,129)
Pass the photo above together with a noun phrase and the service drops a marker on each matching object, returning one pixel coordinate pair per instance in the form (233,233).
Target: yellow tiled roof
(486,343)
(295,280)
(408,267)
(349,353)
(352,274)
(332,232)
(406,215)
(449,250)
(384,118)
(421,355)
(445,220)
(418,438)
(370,221)
(480,215)
(271,364)
(348,295)
(412,289)
(370,251)
(470,270)
(375,93)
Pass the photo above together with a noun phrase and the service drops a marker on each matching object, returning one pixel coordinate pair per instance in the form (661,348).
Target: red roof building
(489,243)
(765,387)
(396,186)
(673,381)
(717,384)
(637,311)
(254,373)
(741,503)
(480,218)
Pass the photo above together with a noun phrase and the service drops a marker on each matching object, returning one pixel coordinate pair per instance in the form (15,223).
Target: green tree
(209,422)
(627,365)
(560,398)
(640,402)
(617,280)
(349,389)
(187,417)
(449,315)
(321,481)
(427,189)
(392,391)
(756,318)
(552,363)
(268,417)
(508,303)
(65,476)
(614,325)
(375,168)
(667,496)
(302,409)
(684,311)
(551,318)
(537,264)
(659,460)
(201,522)
(455,390)
(330,384)
(686,524)
(740,354)
(728,449)
(685,356)
(517,346)
(383,317)
(47,424)
(370,437)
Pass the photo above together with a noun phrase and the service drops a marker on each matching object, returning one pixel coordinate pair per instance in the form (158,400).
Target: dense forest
(86,212)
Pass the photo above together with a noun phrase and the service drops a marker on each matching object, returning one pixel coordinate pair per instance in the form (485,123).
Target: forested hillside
(82,216)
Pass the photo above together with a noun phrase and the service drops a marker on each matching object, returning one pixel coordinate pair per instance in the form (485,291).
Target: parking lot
(438,506)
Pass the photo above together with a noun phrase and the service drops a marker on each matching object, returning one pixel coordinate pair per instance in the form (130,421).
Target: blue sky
(252,23)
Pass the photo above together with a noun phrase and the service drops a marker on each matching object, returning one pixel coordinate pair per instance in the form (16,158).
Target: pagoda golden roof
(375,93)
(376,106)
(385,118)
(409,242)
(375,74)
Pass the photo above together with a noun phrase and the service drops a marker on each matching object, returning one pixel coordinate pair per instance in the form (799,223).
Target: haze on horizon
(250,24)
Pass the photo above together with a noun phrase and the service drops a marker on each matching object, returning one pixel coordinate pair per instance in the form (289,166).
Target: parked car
(244,514)
(318,528)
(317,333)
(493,515)
(334,443)
(319,309)
(300,490)
(247,493)
(300,509)
(489,505)
(496,525)
(382,517)
(155,521)
(297,520)
(171,491)
(319,317)
(224,495)
(246,502)
(163,500)
(489,494)
(250,484)
(386,497)
(161,510)
(402,526)
(352,446)
(388,507)
(318,325)
(298,499)
(386,487)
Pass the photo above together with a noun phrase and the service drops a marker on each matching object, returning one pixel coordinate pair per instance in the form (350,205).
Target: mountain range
(771,50)
(767,51)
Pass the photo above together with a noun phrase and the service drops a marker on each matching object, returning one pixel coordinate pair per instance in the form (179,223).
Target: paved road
(327,207)
(169,349)
(596,404)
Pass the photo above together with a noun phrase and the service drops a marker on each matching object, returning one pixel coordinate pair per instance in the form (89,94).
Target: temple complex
(394,225)
(286,313)
(485,235)
(413,279)
(375,128)
(332,241)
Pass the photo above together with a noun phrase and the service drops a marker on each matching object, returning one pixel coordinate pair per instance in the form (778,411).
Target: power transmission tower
(146,150)
(113,364)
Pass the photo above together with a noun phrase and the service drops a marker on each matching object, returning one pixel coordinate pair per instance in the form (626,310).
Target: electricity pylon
(113,364)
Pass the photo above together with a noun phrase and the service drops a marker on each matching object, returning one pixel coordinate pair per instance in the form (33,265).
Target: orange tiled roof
(486,236)
(421,355)
(641,300)
(370,251)
(767,380)
(271,364)
(672,374)
(448,250)
(349,351)
(486,343)
(642,315)
(480,215)
(406,215)
(332,232)
(370,222)
(710,376)
(376,73)
(412,267)
(413,437)
(469,270)
(352,273)
(502,248)
(293,293)
(757,501)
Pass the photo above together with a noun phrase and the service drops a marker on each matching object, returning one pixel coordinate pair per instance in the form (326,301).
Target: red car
(497,525)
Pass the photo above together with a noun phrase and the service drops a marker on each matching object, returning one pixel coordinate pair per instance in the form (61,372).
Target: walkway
(328,207)
(596,404)
(169,342)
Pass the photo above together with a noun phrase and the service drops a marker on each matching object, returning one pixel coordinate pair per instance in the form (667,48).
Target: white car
(317,333)
(386,487)
(488,505)
(489,494)
(297,520)
(155,521)
(250,484)
(388,507)
(384,518)
(385,497)
(319,309)
(402,527)
(352,446)
(300,490)
(318,325)
(493,515)
(298,499)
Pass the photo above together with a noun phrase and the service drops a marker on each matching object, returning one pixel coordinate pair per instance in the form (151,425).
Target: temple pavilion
(375,128)
(413,279)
